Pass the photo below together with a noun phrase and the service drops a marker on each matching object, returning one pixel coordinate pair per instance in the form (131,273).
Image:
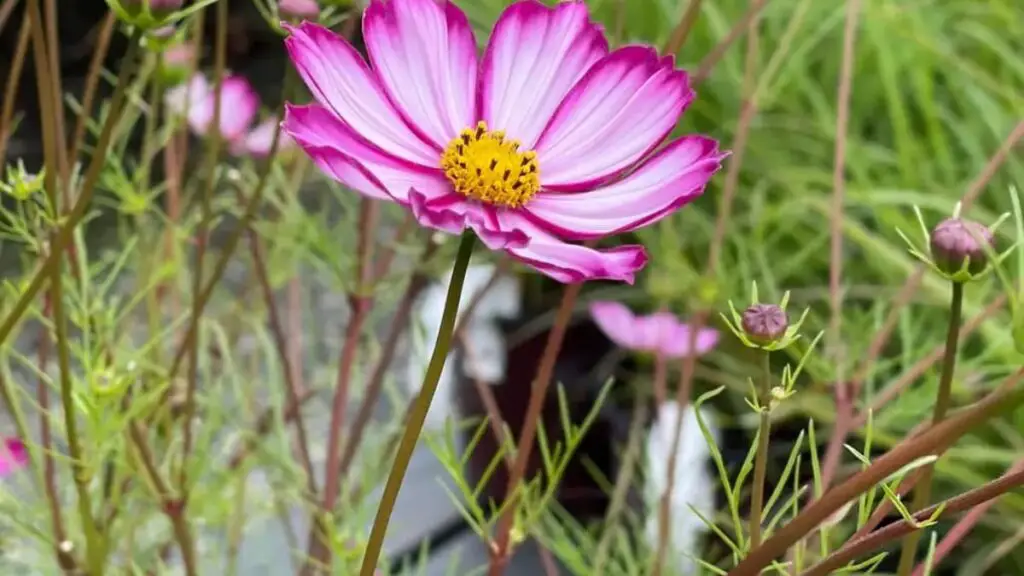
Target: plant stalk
(761,457)
(922,495)
(418,415)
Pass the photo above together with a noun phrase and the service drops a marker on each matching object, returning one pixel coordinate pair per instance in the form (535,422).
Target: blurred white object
(694,484)
(486,357)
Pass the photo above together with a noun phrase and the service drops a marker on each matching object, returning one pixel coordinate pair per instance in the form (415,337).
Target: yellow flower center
(485,166)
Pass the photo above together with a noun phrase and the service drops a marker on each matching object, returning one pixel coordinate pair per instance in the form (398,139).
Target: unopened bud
(299,9)
(956,241)
(764,323)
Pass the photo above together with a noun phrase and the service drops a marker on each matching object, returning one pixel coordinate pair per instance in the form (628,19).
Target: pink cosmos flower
(659,333)
(547,140)
(239,106)
(13,456)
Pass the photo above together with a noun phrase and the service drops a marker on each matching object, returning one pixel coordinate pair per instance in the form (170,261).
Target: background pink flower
(547,140)
(239,107)
(659,333)
(13,456)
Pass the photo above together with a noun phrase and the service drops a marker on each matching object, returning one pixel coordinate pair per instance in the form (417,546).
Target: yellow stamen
(483,165)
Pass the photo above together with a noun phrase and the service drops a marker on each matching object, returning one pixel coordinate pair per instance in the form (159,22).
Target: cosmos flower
(547,140)
(13,456)
(239,107)
(660,333)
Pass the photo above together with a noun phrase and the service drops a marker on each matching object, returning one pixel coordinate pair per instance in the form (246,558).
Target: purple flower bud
(158,8)
(299,9)
(956,240)
(764,323)
(176,63)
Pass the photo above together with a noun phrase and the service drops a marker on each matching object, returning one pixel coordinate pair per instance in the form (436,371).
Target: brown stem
(46,443)
(281,344)
(5,11)
(963,527)
(877,539)
(538,395)
(13,82)
(173,507)
(683,28)
(92,80)
(490,403)
(202,237)
(319,550)
(742,25)
(933,441)
(57,100)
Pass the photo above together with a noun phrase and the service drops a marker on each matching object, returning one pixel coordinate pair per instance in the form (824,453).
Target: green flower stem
(761,457)
(418,414)
(923,492)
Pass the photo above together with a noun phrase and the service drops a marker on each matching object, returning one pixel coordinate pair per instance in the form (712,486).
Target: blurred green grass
(938,86)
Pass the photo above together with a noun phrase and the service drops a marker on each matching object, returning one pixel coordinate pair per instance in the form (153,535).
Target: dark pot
(583,367)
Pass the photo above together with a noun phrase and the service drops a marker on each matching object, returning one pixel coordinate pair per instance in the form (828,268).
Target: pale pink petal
(189,95)
(571,263)
(678,345)
(325,138)
(260,139)
(673,177)
(623,107)
(13,456)
(340,80)
(239,104)
(308,9)
(535,56)
(424,54)
(453,213)
(617,322)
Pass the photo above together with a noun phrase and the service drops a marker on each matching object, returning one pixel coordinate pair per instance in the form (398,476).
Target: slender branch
(683,28)
(742,25)
(288,367)
(761,457)
(173,507)
(922,495)
(92,80)
(538,395)
(963,527)
(877,539)
(623,482)
(57,100)
(419,411)
(361,300)
(93,539)
(935,440)
(13,83)
(202,238)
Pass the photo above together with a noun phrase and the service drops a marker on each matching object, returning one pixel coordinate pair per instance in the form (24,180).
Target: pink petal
(678,345)
(424,54)
(335,147)
(239,104)
(672,178)
(13,456)
(618,112)
(340,80)
(189,95)
(453,213)
(259,140)
(617,322)
(571,263)
(535,56)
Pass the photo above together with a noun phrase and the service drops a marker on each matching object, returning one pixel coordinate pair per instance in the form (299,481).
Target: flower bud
(955,241)
(764,323)
(299,9)
(176,64)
